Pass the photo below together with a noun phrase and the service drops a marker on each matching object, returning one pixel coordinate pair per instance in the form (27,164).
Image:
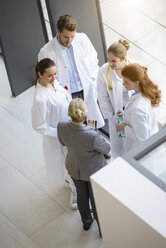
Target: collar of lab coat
(56,83)
(133,98)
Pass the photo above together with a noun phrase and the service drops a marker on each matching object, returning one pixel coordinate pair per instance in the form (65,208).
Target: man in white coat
(76,62)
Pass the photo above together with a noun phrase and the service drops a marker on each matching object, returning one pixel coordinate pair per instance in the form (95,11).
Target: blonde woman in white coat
(139,114)
(50,106)
(76,62)
(111,93)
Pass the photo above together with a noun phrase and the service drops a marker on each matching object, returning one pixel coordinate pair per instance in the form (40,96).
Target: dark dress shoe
(107,156)
(86,226)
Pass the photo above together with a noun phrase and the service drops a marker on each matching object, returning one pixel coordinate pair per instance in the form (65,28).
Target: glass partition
(149,158)
(155,161)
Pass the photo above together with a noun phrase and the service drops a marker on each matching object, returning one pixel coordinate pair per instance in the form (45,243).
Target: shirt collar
(63,47)
(135,93)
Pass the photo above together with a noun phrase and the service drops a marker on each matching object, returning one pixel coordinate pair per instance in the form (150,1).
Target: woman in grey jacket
(86,149)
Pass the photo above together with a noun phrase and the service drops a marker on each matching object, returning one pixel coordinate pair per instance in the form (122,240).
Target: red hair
(135,72)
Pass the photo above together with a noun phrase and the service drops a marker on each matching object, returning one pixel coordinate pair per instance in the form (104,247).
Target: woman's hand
(91,123)
(120,126)
(119,113)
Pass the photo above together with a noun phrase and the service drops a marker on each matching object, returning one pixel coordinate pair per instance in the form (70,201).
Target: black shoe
(107,156)
(86,226)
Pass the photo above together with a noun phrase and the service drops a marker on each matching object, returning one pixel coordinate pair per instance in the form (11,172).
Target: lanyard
(108,82)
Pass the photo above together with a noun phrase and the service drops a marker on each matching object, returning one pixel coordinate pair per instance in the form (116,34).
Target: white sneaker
(73,200)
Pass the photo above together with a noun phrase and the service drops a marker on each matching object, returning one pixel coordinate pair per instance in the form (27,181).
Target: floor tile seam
(140,48)
(133,43)
(152,18)
(159,61)
(45,193)
(30,178)
(12,167)
(41,190)
(147,33)
(16,117)
(52,219)
(34,233)
(14,224)
(9,164)
(17,98)
(6,218)
(15,168)
(114,30)
(53,200)
(155,59)
(137,8)
(35,173)
(37,230)
(151,63)
(70,213)
(18,229)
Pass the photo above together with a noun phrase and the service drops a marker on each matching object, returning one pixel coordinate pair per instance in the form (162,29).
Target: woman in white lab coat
(50,106)
(139,114)
(111,93)
(87,65)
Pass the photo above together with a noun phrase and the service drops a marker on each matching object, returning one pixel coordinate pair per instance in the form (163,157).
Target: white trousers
(54,156)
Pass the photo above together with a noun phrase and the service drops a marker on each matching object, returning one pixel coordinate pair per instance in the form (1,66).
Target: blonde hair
(77,110)
(119,49)
(135,72)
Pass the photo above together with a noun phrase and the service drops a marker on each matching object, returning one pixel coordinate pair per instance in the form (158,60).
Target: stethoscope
(108,82)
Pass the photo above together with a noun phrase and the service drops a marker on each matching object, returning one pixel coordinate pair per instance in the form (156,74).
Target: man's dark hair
(67,22)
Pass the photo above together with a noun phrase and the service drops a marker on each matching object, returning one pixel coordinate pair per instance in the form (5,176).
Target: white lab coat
(87,66)
(48,109)
(141,121)
(110,102)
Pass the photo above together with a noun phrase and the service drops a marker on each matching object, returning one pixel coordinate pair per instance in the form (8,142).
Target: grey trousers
(79,94)
(84,193)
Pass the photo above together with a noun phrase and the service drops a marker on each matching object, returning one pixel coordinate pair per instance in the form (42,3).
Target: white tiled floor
(33,215)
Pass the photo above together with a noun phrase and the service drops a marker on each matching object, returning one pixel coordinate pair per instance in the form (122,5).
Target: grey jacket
(85,148)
